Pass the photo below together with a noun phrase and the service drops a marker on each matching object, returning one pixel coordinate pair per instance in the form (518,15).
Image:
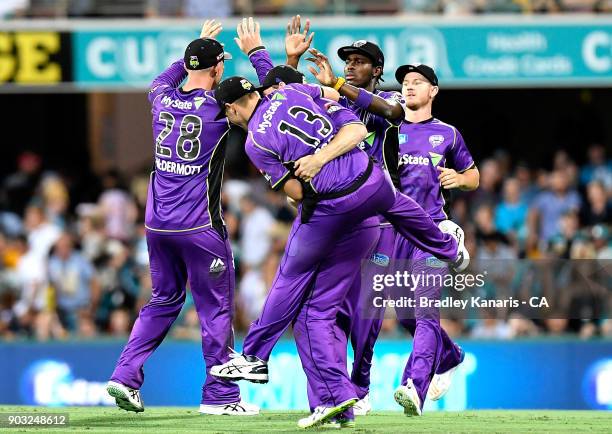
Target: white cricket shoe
(440,383)
(363,406)
(242,367)
(125,397)
(240,408)
(321,414)
(454,230)
(407,397)
(338,422)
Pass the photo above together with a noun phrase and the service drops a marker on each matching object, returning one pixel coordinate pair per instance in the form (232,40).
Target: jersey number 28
(188,143)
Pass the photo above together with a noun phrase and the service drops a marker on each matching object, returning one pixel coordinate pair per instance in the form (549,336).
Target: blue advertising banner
(477,53)
(539,374)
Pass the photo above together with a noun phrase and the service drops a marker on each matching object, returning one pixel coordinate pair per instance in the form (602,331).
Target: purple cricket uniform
(382,144)
(185,232)
(423,147)
(381,141)
(326,245)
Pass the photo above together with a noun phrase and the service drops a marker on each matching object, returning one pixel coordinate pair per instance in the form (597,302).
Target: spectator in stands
(511,213)
(42,234)
(120,323)
(562,243)
(18,188)
(550,205)
(597,208)
(528,188)
(601,244)
(90,228)
(54,195)
(117,207)
(487,192)
(491,327)
(72,277)
(598,168)
(255,230)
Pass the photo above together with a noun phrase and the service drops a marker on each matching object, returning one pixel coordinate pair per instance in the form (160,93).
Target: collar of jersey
(188,92)
(426,121)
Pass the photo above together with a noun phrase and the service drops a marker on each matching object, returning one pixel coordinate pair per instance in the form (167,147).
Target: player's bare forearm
(378,106)
(293,189)
(330,93)
(293,61)
(450,179)
(470,180)
(348,137)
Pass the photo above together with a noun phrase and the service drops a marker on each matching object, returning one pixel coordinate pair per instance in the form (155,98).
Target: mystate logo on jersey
(176,103)
(419,160)
(267,117)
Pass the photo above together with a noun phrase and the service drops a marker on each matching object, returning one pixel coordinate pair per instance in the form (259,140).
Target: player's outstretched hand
(325,75)
(307,167)
(449,178)
(296,41)
(248,35)
(210,29)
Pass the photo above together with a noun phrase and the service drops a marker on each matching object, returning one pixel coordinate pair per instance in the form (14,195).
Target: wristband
(364,99)
(261,47)
(339,83)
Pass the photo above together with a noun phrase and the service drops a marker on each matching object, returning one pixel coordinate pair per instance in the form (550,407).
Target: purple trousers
(203,259)
(364,332)
(302,291)
(433,351)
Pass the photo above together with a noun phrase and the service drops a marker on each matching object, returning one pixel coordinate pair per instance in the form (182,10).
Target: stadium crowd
(71,268)
(227,8)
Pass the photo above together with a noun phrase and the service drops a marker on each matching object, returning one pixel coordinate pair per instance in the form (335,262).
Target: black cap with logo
(285,73)
(424,70)
(231,90)
(366,48)
(203,53)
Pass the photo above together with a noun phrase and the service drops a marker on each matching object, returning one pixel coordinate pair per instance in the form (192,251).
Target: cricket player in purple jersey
(433,158)
(333,231)
(381,112)
(185,231)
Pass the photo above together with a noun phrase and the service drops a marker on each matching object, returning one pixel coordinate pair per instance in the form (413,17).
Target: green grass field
(182,420)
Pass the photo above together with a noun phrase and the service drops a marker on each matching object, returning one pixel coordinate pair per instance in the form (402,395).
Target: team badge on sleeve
(265,175)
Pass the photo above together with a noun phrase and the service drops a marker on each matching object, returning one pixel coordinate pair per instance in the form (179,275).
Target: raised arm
(174,75)
(388,109)
(296,41)
(250,43)
(171,78)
